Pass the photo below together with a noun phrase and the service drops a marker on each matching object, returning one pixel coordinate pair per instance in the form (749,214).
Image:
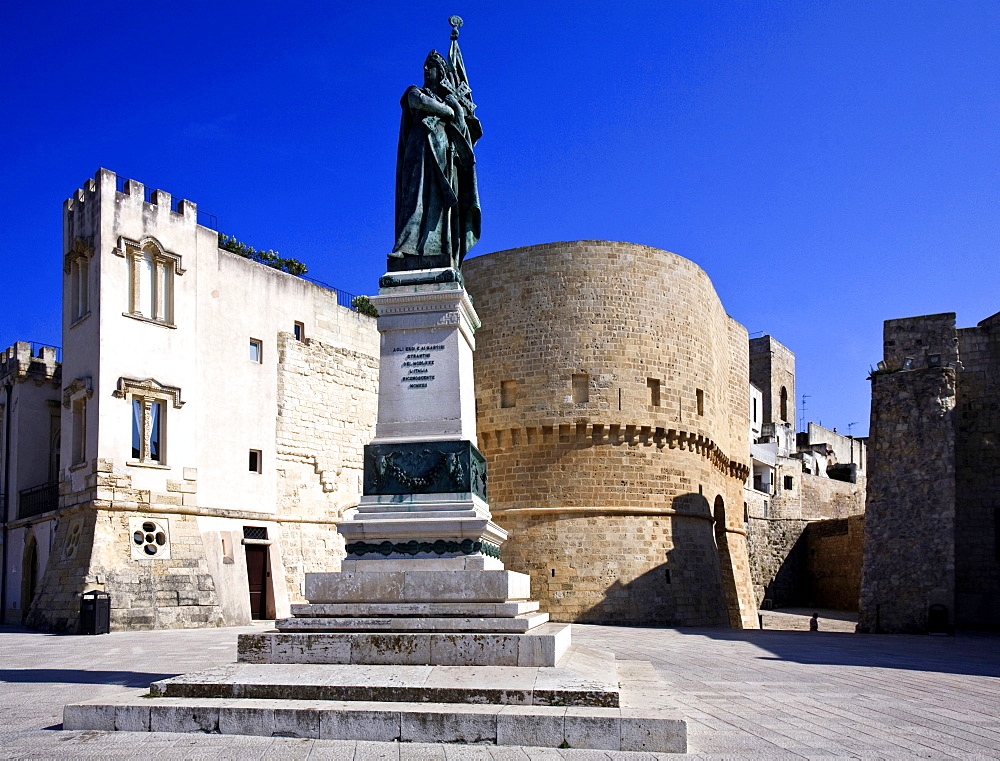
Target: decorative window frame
(149,391)
(167,264)
(76,265)
(75,398)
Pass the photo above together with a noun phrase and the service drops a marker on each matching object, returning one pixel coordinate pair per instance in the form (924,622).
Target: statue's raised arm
(437,199)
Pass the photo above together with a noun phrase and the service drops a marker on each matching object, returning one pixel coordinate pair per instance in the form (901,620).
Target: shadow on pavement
(80,676)
(970,653)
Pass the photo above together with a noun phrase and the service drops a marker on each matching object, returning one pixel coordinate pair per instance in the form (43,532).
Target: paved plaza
(777,693)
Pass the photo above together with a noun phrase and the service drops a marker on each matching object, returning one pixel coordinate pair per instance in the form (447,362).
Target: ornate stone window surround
(147,392)
(76,264)
(75,397)
(165,264)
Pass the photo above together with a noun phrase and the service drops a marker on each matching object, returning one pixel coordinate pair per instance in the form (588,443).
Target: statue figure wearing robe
(437,199)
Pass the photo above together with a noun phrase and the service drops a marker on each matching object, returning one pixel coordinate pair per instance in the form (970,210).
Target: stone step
(649,728)
(541,646)
(507,609)
(520,623)
(502,685)
(417,586)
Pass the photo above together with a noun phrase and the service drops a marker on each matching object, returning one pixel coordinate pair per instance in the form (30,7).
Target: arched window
(151,271)
(784,404)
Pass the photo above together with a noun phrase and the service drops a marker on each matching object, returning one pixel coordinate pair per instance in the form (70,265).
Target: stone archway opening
(29,574)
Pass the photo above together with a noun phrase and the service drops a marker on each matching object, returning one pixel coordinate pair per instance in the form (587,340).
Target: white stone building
(213,415)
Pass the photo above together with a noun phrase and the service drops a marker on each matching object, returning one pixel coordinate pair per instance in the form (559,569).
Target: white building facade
(213,416)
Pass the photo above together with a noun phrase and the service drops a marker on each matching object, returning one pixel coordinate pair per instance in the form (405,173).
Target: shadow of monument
(81,676)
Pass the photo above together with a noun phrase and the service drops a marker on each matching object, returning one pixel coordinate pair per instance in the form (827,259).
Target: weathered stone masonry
(612,403)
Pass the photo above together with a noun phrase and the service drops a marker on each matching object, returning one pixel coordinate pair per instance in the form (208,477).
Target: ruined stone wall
(834,557)
(327,403)
(909,558)
(606,389)
(977,465)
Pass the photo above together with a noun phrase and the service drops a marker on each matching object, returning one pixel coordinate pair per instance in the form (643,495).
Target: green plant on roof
(270,258)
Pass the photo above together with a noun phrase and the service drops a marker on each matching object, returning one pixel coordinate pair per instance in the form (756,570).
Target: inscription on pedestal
(418,364)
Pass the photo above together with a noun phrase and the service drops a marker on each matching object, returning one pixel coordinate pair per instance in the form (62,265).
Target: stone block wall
(977,477)
(92,549)
(778,557)
(909,561)
(608,379)
(918,338)
(327,402)
(772,368)
(834,557)
(824,498)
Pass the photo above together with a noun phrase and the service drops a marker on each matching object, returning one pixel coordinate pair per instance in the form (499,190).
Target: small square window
(255,461)
(788,483)
(300,332)
(256,350)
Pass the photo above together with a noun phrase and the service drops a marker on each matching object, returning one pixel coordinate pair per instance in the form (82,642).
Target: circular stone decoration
(456,21)
(151,539)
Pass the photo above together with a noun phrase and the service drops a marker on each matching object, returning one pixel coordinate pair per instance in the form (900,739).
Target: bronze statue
(437,200)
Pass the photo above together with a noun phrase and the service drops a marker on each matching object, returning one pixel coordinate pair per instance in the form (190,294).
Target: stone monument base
(589,700)
(411,653)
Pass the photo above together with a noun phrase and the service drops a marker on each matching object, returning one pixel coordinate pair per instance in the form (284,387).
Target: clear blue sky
(829,164)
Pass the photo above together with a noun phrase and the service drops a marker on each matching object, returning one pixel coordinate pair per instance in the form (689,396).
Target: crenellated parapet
(21,363)
(81,210)
(617,434)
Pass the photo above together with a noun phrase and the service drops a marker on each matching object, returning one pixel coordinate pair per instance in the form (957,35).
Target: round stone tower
(612,406)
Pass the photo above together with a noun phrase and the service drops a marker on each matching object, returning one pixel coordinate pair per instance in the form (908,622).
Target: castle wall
(778,561)
(612,409)
(977,477)
(909,562)
(824,498)
(778,552)
(936,397)
(833,562)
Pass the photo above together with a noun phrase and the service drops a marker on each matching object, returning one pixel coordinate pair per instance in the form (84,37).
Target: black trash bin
(937,620)
(95,613)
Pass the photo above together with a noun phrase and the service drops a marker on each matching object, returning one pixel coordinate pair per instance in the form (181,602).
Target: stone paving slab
(750,694)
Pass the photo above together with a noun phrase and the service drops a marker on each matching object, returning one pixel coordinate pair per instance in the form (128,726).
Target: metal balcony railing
(38,499)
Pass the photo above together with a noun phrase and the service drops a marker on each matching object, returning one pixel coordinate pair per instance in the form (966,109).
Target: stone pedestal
(425,479)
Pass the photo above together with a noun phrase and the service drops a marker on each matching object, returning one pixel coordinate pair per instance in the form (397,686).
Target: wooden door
(257,577)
